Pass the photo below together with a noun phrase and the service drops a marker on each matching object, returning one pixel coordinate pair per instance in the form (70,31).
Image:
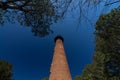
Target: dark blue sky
(31,56)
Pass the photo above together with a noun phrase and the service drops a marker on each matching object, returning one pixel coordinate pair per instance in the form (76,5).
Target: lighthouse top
(59,37)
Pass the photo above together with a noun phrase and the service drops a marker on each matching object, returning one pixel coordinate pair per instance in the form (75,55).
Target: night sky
(31,56)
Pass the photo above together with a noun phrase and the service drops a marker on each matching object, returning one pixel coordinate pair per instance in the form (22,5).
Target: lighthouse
(59,69)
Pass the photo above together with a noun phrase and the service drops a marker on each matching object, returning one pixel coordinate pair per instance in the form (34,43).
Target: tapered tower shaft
(59,67)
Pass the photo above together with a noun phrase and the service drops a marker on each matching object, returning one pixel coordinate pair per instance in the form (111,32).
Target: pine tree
(5,70)
(106,64)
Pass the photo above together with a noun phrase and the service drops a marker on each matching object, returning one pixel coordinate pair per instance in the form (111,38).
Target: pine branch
(112,3)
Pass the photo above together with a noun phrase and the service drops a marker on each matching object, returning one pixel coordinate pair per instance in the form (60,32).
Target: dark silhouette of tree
(39,14)
(5,70)
(77,77)
(106,64)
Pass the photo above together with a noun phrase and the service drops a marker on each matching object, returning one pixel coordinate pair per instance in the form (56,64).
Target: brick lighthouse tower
(59,68)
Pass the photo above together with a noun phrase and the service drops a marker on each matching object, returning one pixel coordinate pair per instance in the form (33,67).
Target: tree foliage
(106,64)
(77,77)
(39,14)
(5,70)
